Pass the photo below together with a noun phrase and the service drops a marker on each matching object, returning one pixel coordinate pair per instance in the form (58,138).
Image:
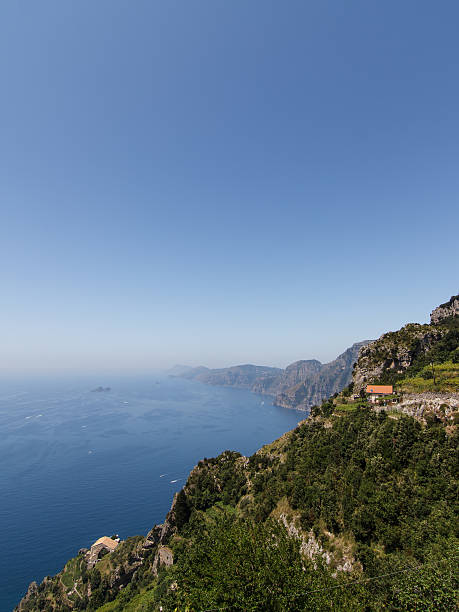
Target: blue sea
(76,464)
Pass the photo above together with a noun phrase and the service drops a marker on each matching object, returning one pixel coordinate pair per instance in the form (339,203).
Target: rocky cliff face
(80,586)
(283,379)
(319,383)
(394,352)
(422,406)
(85,585)
(301,385)
(446,310)
(298,372)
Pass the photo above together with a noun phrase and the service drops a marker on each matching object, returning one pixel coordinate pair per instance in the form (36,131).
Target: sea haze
(78,464)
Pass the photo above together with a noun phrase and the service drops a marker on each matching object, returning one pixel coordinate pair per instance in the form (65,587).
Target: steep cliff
(355,509)
(298,372)
(316,386)
(394,353)
(446,310)
(302,383)
(292,375)
(406,352)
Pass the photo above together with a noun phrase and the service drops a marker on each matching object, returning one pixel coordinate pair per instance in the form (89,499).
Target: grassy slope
(446,379)
(356,486)
(445,350)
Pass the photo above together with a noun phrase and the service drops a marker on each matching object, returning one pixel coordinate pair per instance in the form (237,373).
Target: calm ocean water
(76,465)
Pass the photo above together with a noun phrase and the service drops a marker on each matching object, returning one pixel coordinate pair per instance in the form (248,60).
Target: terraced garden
(442,377)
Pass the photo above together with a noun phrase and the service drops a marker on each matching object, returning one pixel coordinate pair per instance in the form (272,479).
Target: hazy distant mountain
(241,376)
(180,370)
(301,385)
(292,375)
(316,386)
(191,373)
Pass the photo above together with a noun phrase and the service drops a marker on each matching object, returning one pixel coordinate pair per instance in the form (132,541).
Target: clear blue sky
(223,182)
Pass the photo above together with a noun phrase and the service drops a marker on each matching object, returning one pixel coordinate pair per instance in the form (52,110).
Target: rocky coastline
(299,386)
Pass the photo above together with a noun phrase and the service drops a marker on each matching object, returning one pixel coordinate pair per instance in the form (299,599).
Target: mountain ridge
(299,386)
(354,509)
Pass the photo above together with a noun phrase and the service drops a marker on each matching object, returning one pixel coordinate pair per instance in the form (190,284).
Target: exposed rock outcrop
(301,385)
(298,372)
(311,547)
(77,581)
(446,310)
(326,380)
(421,406)
(393,351)
(122,574)
(153,537)
(169,527)
(164,556)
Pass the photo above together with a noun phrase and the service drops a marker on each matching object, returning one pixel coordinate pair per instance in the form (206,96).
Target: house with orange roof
(376,391)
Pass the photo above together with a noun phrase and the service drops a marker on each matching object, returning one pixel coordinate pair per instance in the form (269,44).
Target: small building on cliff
(100,547)
(376,391)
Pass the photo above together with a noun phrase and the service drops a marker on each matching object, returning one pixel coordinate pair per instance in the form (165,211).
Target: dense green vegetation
(242,565)
(433,377)
(355,509)
(367,493)
(444,350)
(377,492)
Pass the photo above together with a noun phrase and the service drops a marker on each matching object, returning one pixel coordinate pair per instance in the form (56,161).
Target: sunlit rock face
(446,310)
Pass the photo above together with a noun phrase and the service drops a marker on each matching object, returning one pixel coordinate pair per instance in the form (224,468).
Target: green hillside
(365,490)
(355,509)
